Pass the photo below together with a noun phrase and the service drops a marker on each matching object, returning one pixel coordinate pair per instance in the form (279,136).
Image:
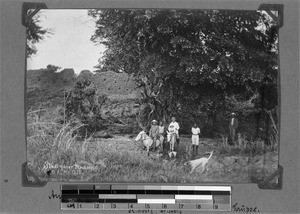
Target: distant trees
(197,64)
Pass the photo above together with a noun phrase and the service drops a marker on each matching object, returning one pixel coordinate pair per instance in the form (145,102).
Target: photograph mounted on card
(153,95)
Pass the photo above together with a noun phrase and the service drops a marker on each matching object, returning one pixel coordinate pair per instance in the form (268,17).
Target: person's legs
(230,135)
(197,143)
(194,144)
(233,134)
(177,140)
(155,138)
(152,147)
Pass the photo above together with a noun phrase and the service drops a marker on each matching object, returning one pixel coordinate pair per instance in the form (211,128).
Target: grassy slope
(123,160)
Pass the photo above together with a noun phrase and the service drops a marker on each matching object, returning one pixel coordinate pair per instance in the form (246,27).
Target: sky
(69,46)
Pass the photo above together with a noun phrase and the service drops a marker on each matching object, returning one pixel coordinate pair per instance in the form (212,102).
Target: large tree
(34,33)
(198,64)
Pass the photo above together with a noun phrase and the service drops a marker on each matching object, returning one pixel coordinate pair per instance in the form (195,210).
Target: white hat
(153,121)
(233,113)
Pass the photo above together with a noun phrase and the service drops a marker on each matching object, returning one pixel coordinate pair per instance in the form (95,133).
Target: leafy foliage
(84,104)
(35,33)
(198,64)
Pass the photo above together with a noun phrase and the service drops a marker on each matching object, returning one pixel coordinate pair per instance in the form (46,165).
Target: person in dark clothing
(233,124)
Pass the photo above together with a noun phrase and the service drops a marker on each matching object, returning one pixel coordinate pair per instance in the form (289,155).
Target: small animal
(172,154)
(198,162)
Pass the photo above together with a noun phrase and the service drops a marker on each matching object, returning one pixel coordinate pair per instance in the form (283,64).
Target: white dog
(198,162)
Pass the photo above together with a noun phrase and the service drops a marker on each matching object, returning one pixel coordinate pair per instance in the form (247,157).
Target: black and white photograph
(152,95)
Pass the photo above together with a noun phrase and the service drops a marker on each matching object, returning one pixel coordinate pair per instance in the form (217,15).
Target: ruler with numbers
(145,197)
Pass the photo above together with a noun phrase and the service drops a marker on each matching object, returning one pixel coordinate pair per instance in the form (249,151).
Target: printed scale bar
(123,195)
(146,206)
(156,201)
(143,189)
(194,197)
(117,198)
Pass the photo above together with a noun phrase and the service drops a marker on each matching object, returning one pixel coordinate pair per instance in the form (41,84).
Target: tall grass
(244,146)
(51,140)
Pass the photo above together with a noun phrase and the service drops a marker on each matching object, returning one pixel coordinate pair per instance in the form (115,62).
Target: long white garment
(173,128)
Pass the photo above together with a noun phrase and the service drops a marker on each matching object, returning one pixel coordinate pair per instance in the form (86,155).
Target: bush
(83,103)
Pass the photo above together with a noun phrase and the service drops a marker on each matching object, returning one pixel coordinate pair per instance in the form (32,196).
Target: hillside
(46,88)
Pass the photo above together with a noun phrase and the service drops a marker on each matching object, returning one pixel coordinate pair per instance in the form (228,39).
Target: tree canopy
(198,64)
(34,34)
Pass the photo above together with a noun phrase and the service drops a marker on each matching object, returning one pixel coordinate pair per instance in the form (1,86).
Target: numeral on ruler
(71,205)
(198,206)
(130,206)
(97,206)
(180,206)
(164,206)
(147,206)
(113,206)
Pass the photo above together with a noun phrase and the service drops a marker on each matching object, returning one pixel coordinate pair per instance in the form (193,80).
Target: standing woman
(195,138)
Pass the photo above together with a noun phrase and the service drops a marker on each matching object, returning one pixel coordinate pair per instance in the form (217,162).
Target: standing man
(173,128)
(233,124)
(154,134)
(195,138)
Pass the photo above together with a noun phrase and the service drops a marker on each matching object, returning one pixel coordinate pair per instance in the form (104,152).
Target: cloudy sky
(70,45)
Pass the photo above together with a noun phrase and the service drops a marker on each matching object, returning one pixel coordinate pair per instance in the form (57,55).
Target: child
(195,138)
(154,133)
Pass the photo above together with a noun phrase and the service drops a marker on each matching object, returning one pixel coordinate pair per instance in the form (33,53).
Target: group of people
(158,130)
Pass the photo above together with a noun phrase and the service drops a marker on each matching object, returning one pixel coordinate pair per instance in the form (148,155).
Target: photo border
(12,113)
